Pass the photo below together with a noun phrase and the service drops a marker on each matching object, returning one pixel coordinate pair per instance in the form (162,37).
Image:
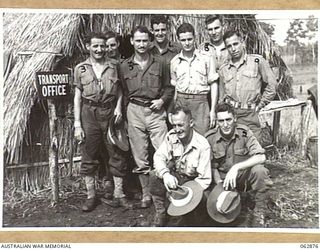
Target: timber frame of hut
(47,41)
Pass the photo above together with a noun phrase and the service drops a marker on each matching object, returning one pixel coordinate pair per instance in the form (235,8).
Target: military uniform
(99,98)
(140,88)
(225,153)
(191,163)
(168,53)
(192,80)
(219,56)
(242,86)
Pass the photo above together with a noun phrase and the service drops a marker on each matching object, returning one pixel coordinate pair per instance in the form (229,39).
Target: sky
(281,20)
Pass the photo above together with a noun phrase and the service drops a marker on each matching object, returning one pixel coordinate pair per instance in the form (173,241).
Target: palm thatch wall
(46,41)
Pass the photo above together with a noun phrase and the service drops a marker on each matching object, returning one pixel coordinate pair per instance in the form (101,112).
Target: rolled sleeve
(204,177)
(253,145)
(76,79)
(269,78)
(213,76)
(161,158)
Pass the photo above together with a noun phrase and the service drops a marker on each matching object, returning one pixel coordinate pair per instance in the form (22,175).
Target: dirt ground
(293,203)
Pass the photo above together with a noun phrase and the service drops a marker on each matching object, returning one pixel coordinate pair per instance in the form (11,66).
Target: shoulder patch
(257,60)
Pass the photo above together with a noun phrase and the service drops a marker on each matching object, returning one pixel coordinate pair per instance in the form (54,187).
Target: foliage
(268,28)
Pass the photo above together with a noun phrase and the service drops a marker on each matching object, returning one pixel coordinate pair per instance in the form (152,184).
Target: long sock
(90,186)
(118,187)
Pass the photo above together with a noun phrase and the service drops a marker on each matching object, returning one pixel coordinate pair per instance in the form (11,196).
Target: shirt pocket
(228,83)
(154,80)
(250,78)
(240,154)
(112,84)
(88,84)
(131,81)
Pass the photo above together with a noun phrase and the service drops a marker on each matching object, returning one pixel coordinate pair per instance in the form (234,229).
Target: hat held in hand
(223,206)
(117,134)
(185,198)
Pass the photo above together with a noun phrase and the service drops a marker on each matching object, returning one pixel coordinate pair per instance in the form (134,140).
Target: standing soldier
(215,46)
(147,88)
(97,99)
(194,77)
(112,46)
(161,45)
(241,80)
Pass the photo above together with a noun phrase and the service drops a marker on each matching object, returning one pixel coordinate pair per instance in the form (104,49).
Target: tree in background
(268,28)
(301,38)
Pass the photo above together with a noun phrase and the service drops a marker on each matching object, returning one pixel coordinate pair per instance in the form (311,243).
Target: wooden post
(53,152)
(276,128)
(305,118)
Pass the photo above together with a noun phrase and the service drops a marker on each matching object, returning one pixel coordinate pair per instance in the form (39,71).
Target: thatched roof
(45,35)
(49,34)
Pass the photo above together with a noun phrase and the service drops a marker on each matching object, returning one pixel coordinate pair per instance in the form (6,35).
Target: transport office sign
(53,84)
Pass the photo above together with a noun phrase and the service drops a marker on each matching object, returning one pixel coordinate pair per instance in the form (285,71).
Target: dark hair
(223,107)
(110,34)
(211,18)
(230,33)
(92,35)
(185,27)
(156,19)
(183,109)
(142,29)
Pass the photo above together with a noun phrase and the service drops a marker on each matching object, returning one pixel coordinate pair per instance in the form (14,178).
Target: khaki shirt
(194,161)
(209,49)
(151,83)
(225,153)
(193,76)
(168,53)
(99,90)
(243,84)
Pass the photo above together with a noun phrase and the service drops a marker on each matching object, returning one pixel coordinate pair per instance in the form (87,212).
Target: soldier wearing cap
(242,79)
(184,155)
(97,99)
(194,77)
(237,159)
(147,88)
(215,46)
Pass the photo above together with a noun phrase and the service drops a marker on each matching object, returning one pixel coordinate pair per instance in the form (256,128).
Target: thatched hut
(46,41)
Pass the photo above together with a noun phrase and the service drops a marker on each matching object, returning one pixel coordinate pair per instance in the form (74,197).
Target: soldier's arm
(168,89)
(269,78)
(78,131)
(204,168)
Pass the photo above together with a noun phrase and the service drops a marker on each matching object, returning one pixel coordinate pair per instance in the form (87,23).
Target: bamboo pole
(53,151)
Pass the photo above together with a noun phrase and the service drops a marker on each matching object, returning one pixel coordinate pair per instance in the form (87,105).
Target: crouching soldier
(237,160)
(184,155)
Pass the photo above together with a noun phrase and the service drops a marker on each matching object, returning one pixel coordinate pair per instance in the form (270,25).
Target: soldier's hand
(79,134)
(118,115)
(231,178)
(169,181)
(212,119)
(156,104)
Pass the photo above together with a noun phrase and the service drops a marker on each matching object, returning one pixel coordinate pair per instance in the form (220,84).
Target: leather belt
(143,103)
(97,104)
(239,105)
(192,96)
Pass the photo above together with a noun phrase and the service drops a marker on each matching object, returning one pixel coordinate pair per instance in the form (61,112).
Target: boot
(160,216)
(119,199)
(90,204)
(146,196)
(258,217)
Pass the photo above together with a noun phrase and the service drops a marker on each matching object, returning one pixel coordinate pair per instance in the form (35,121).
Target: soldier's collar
(196,54)
(131,59)
(106,63)
(242,61)
(235,134)
(166,48)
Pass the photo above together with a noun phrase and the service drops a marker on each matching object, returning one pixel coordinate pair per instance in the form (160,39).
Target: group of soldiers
(196,106)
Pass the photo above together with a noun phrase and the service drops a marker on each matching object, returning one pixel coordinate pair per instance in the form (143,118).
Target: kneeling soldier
(237,159)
